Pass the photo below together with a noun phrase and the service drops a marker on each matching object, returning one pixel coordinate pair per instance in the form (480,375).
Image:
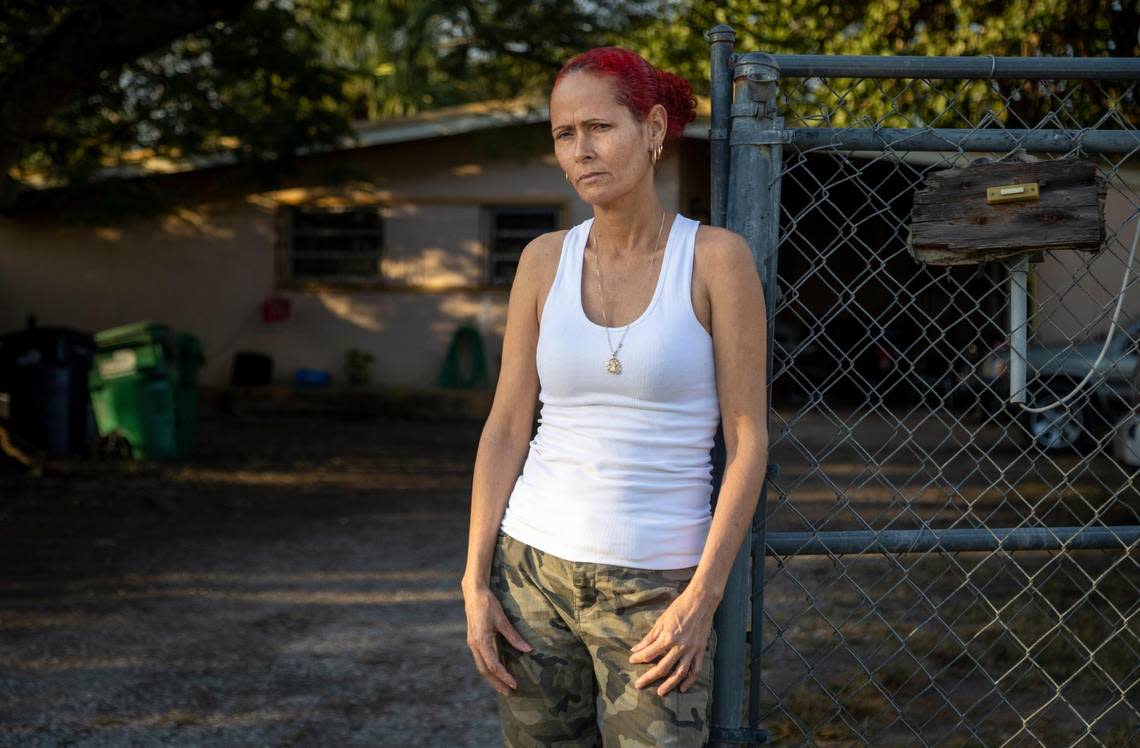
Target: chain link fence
(931,564)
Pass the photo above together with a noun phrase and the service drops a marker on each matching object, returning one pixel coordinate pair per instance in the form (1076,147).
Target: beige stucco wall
(1075,293)
(207,266)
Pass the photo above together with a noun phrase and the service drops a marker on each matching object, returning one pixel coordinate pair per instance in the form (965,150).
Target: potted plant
(357,366)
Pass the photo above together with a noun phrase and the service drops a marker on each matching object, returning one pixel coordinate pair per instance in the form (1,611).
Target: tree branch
(69,60)
(491,37)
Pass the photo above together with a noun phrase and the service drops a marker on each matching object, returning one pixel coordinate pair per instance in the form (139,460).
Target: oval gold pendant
(613,366)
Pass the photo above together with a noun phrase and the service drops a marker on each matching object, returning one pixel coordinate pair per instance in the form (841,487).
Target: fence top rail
(982,67)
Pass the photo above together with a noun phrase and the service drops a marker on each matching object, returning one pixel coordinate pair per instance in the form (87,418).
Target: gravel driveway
(296,583)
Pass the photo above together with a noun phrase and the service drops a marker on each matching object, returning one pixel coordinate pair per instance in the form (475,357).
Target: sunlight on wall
(351,309)
(469,308)
(433,268)
(473,248)
(207,265)
(185,221)
(355,193)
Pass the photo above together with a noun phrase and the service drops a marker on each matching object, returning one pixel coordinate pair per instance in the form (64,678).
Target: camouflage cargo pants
(582,619)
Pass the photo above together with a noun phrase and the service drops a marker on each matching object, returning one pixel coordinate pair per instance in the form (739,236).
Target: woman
(592,578)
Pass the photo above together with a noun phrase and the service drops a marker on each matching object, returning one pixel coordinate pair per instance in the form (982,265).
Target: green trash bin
(144,386)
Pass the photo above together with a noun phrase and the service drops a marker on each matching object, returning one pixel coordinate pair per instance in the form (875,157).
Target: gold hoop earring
(566,175)
(655,154)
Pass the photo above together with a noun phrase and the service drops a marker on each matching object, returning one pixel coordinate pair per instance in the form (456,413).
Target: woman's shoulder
(539,258)
(546,247)
(719,238)
(551,238)
(721,246)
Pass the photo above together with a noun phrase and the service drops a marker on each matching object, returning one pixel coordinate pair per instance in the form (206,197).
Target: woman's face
(598,142)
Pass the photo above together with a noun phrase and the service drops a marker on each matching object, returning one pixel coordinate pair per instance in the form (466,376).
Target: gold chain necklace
(613,366)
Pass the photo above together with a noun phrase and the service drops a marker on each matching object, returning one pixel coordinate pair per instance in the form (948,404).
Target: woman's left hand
(679,637)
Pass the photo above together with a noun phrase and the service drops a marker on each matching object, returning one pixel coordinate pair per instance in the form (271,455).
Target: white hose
(1108,338)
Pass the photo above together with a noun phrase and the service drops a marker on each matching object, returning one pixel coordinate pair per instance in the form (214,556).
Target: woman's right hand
(485,617)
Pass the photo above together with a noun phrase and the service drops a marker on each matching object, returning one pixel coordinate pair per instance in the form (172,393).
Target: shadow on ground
(295,583)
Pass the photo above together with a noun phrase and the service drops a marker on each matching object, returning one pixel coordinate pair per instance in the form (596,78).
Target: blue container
(311,378)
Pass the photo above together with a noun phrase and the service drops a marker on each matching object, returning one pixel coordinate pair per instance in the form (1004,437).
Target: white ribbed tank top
(619,471)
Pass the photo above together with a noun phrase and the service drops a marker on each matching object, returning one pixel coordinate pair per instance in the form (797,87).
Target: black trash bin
(44,372)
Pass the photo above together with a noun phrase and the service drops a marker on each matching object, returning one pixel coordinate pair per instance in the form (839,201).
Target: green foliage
(405,56)
(257,83)
(895,27)
(291,74)
(904,27)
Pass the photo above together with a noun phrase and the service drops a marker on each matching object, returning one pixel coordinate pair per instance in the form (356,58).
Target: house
(387,244)
(391,242)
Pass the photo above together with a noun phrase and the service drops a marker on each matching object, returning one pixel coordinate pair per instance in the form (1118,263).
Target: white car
(1052,371)
(1126,438)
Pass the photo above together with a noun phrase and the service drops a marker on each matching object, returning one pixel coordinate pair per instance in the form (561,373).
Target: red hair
(638,85)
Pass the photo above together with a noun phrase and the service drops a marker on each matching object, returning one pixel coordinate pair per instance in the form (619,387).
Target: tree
(90,83)
(1082,28)
(53,51)
(412,55)
(83,83)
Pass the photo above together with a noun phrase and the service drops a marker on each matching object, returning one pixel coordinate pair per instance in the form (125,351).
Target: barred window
(334,244)
(511,227)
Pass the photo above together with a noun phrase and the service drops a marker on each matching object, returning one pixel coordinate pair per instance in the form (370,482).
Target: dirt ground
(296,583)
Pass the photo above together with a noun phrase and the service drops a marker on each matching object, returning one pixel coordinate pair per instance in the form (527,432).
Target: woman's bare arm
(506,434)
(502,451)
(739,341)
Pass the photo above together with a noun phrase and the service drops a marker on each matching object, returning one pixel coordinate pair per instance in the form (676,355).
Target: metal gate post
(753,210)
(728,678)
(721,40)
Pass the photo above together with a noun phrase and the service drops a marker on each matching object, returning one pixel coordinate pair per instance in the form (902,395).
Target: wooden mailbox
(1001,209)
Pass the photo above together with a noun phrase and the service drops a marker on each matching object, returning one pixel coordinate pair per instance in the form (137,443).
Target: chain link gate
(930,565)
